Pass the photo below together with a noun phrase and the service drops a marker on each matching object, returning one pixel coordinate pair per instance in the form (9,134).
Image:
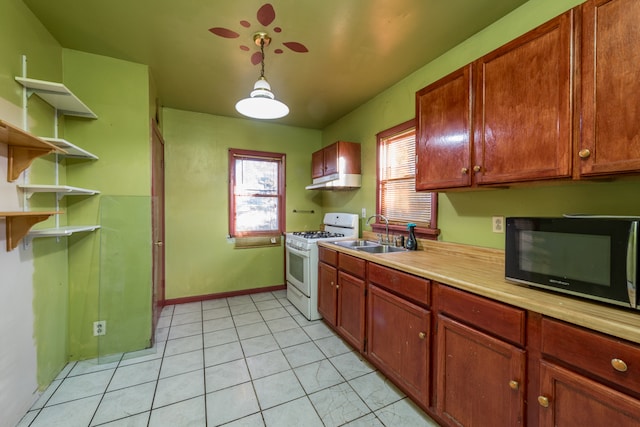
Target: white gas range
(302,259)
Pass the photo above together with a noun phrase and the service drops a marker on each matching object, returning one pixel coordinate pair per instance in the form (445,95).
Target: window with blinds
(397,198)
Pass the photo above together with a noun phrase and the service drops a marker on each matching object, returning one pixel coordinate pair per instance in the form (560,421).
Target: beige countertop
(481,271)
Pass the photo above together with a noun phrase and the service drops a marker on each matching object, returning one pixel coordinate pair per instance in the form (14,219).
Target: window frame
(235,153)
(430,232)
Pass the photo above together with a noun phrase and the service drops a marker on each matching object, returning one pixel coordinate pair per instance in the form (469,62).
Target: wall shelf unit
(58,96)
(60,190)
(70,150)
(23,149)
(62,231)
(19,224)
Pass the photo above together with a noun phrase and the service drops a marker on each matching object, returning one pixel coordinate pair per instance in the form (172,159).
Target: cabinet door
(327,292)
(317,164)
(331,159)
(351,314)
(443,134)
(398,341)
(523,107)
(480,379)
(610,136)
(571,400)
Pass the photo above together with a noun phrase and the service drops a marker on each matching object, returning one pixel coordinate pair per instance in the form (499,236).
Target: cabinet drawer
(328,256)
(351,264)
(411,287)
(491,316)
(592,353)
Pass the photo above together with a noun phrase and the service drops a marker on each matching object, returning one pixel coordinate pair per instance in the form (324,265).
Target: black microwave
(594,257)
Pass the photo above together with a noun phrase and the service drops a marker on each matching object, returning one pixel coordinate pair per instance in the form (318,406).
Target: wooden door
(157,219)
(570,400)
(443,134)
(523,104)
(351,305)
(610,135)
(327,292)
(480,379)
(398,341)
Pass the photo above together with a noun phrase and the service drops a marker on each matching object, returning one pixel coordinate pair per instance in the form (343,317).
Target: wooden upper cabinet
(341,156)
(522,107)
(317,164)
(443,134)
(610,70)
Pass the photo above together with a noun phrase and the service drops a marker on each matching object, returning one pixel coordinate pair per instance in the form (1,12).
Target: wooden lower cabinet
(486,363)
(351,309)
(568,399)
(328,292)
(479,379)
(398,341)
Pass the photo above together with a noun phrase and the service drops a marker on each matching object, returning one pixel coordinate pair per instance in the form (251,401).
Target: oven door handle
(296,251)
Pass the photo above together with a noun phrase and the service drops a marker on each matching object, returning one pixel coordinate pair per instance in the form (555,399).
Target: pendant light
(261,103)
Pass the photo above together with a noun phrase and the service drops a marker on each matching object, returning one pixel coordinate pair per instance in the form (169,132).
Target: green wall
(465,217)
(118,92)
(200,260)
(22,34)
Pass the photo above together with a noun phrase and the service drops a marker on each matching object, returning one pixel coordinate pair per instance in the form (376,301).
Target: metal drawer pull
(619,365)
(543,401)
(477,168)
(464,171)
(422,335)
(514,385)
(584,153)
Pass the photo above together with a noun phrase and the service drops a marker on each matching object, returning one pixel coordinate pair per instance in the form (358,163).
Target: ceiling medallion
(265,15)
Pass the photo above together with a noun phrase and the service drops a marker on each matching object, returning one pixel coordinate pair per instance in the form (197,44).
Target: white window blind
(399,201)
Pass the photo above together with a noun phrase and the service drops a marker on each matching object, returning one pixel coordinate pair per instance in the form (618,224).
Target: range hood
(336,181)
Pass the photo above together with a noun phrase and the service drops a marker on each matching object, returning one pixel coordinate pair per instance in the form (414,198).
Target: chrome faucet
(386,222)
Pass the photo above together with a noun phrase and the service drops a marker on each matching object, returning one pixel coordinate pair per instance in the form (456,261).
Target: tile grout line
(105,389)
(164,349)
(204,365)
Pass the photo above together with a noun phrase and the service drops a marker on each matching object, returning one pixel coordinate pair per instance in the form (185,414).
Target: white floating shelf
(62,231)
(61,190)
(71,150)
(58,96)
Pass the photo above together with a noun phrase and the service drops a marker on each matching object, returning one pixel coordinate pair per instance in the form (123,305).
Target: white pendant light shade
(261,103)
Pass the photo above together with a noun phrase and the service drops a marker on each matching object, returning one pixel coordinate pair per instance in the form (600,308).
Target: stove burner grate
(317,234)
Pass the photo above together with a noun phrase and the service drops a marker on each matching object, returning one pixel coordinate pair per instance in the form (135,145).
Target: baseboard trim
(198,298)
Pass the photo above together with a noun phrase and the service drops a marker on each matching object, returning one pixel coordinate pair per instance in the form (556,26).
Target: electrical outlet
(364,212)
(497,224)
(99,328)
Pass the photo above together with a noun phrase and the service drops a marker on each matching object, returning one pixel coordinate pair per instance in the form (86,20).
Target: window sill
(394,229)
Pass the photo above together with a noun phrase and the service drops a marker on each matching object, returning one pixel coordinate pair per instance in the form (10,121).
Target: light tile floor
(250,360)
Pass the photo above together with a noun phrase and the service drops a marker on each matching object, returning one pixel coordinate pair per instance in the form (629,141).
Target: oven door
(298,265)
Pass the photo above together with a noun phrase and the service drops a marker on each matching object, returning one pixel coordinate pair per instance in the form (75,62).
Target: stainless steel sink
(380,249)
(356,244)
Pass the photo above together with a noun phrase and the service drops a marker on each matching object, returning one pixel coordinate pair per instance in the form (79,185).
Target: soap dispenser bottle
(412,243)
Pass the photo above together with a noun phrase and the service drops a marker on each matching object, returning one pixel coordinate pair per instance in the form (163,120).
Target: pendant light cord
(262,57)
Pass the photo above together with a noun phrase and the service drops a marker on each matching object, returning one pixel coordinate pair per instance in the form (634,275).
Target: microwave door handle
(632,267)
